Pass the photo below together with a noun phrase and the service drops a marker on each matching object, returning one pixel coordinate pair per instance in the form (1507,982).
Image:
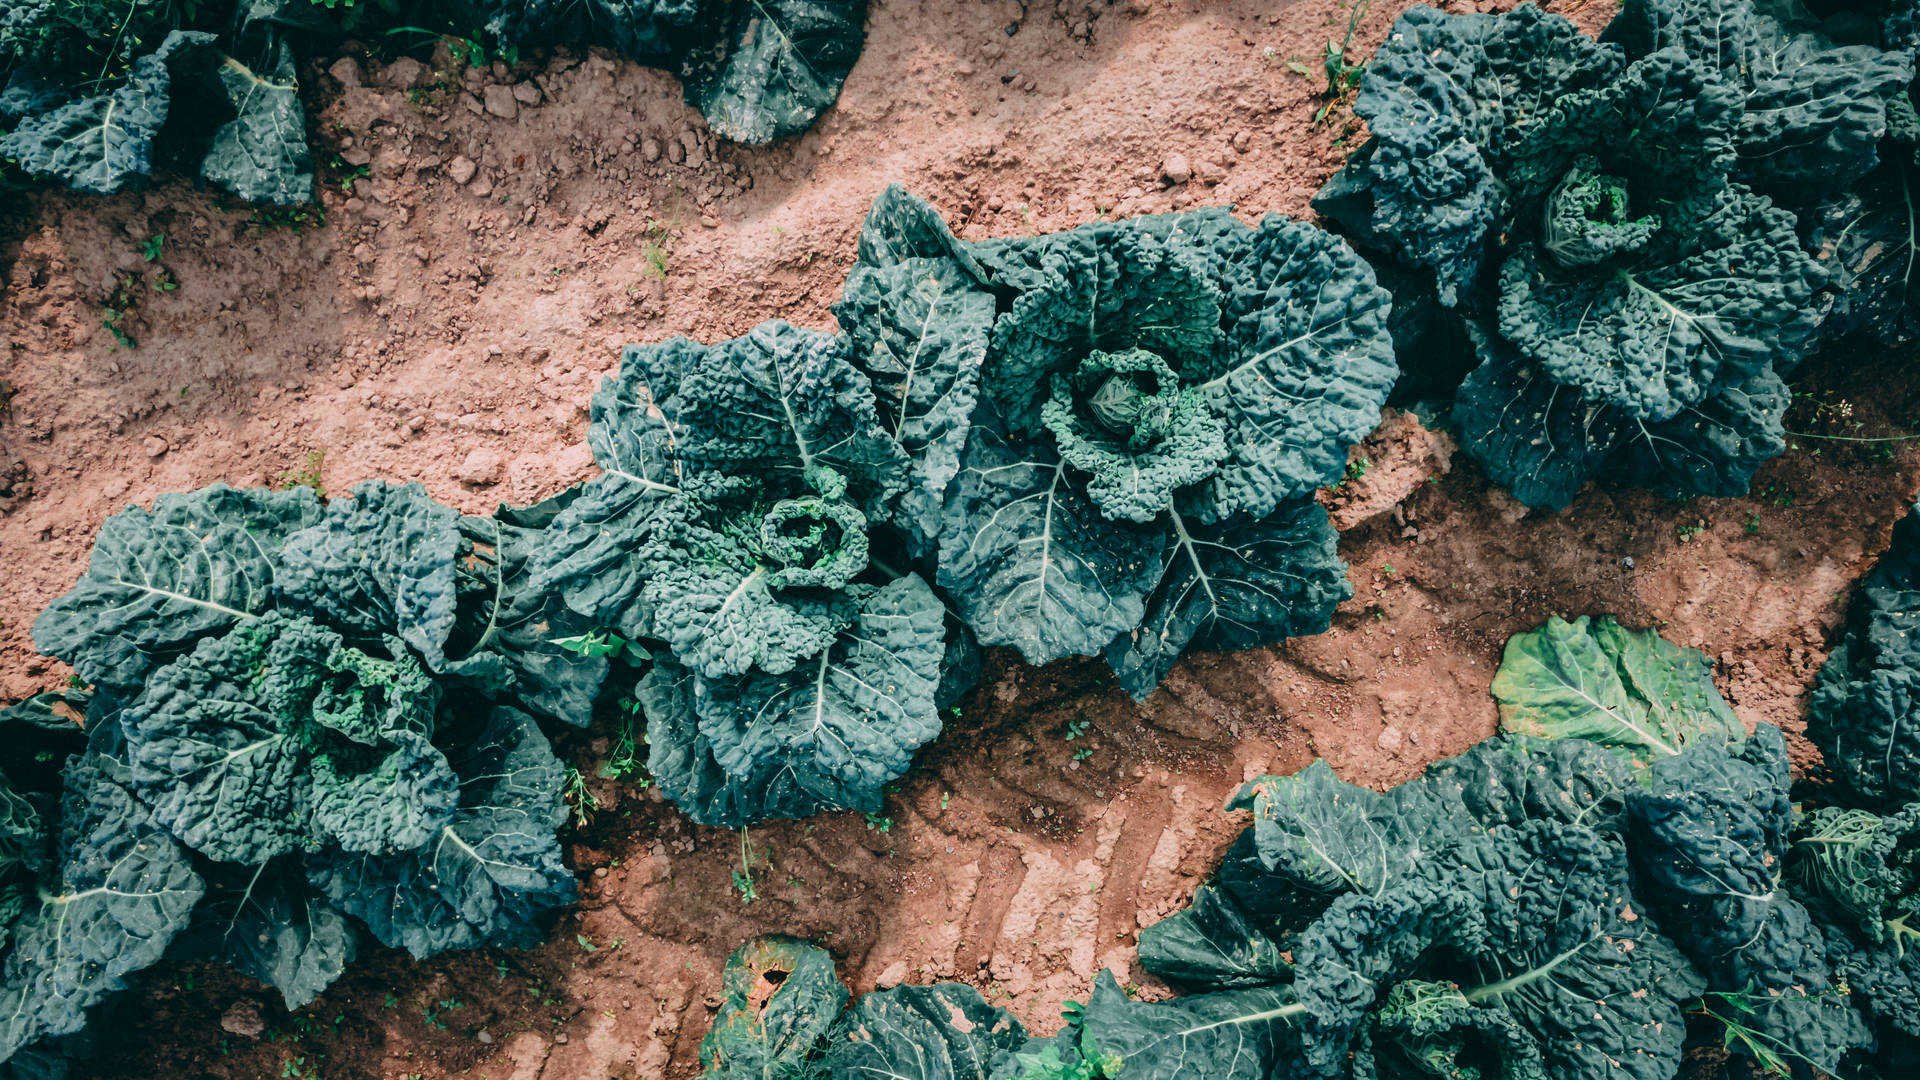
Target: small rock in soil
(650,149)
(156,446)
(243,1018)
(500,103)
(485,1038)
(895,974)
(526,93)
(1176,170)
(481,467)
(1390,739)
(405,74)
(461,169)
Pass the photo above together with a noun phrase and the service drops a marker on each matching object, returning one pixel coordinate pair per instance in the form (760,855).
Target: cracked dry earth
(476,276)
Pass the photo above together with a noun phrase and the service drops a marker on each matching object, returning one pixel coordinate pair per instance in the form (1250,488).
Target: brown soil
(452,333)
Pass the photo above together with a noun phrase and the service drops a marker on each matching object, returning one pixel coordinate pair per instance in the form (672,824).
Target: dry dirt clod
(650,149)
(481,467)
(461,169)
(894,975)
(242,1018)
(526,93)
(500,102)
(346,72)
(1176,170)
(156,446)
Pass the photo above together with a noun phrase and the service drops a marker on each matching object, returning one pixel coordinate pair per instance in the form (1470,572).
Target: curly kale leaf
(279,737)
(1543,441)
(121,893)
(1235,586)
(1710,837)
(1534,925)
(161,580)
(1868,691)
(946,1031)
(1865,239)
(829,734)
(1630,690)
(1811,110)
(643,29)
(1447,98)
(773,65)
(486,875)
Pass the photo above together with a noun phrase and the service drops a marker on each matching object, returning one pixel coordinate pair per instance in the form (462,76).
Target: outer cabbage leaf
(918,329)
(124,889)
(1029,561)
(1813,110)
(940,1032)
(643,29)
(278,738)
(1542,441)
(1629,690)
(1535,923)
(485,877)
(900,226)
(261,154)
(834,731)
(774,66)
(1235,587)
(383,560)
(101,142)
(1446,98)
(265,922)
(1865,238)
(1710,837)
(781,997)
(1305,365)
(503,611)
(1868,691)
(160,580)
(1227,1035)
(1216,944)
(1511,779)
(1323,835)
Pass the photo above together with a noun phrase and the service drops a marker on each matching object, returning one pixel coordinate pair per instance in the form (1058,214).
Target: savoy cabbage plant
(1116,431)
(740,523)
(309,723)
(1632,304)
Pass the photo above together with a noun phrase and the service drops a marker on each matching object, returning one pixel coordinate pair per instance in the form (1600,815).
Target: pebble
(526,93)
(1242,142)
(561,1038)
(156,446)
(500,103)
(1176,170)
(650,149)
(482,467)
(405,73)
(485,1038)
(895,974)
(1389,739)
(462,168)
(676,153)
(356,155)
(599,871)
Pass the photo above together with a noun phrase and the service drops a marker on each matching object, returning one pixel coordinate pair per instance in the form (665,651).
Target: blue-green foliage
(310,723)
(97,94)
(1631,304)
(1121,461)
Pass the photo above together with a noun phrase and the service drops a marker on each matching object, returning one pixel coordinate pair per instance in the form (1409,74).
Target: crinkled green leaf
(261,154)
(123,891)
(1446,98)
(1865,238)
(1029,561)
(1227,1035)
(486,876)
(900,227)
(160,580)
(836,729)
(941,1032)
(918,329)
(1234,587)
(773,66)
(265,922)
(1812,110)
(278,737)
(1630,690)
